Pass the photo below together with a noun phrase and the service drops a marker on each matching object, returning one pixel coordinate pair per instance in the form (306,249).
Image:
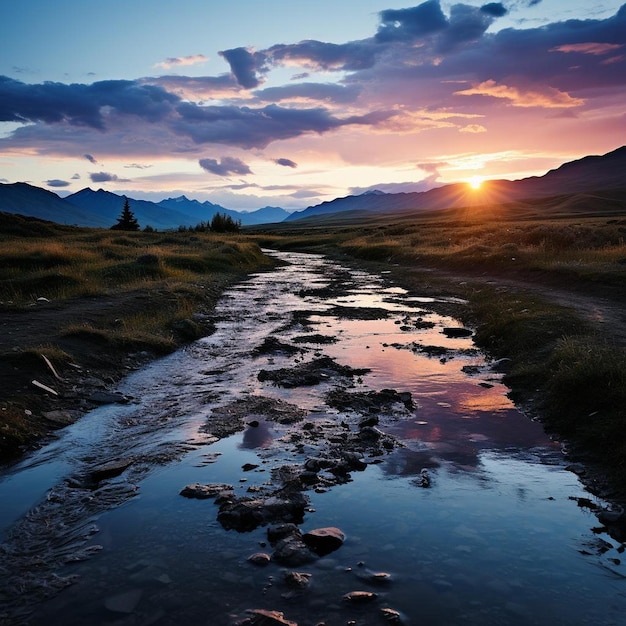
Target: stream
(456,508)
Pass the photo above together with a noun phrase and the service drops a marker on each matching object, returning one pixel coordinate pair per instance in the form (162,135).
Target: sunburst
(475,182)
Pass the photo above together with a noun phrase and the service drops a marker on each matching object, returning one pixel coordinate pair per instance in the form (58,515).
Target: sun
(475,182)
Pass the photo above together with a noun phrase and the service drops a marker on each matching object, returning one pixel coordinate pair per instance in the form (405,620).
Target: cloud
(81,105)
(196,88)
(137,166)
(588,48)
(245,65)
(55,182)
(495,9)
(413,23)
(422,69)
(302,92)
(548,98)
(318,55)
(182,61)
(473,128)
(248,127)
(226,167)
(105,177)
(286,163)
(76,177)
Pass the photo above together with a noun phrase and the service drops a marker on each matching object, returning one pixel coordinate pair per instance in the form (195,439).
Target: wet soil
(73,387)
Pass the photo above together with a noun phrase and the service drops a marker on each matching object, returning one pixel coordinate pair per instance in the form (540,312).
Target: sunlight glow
(475,182)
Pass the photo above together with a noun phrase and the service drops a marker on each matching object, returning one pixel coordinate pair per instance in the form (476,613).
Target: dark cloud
(203,85)
(55,182)
(327,92)
(286,163)
(256,128)
(225,167)
(81,105)
(245,65)
(318,55)
(91,158)
(104,177)
(466,24)
(408,24)
(495,9)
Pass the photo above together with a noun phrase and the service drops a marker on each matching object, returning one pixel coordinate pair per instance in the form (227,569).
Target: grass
(81,262)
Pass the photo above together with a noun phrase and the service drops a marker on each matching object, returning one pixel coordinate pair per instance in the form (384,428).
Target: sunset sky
(249,103)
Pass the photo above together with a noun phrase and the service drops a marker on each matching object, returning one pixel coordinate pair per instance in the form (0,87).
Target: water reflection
(494,539)
(256,435)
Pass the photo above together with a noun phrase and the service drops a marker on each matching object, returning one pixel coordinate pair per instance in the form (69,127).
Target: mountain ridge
(589,173)
(100,208)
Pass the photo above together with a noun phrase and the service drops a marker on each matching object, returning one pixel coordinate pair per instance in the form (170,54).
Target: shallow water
(497,537)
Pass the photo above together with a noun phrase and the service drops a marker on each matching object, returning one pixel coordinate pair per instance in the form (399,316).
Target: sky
(250,103)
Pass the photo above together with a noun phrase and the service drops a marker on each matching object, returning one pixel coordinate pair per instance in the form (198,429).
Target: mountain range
(102,208)
(591,173)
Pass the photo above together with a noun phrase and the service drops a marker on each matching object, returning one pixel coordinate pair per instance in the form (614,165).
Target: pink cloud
(193,59)
(547,98)
(588,48)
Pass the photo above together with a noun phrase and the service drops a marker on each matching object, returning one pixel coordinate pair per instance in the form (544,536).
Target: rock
(610,516)
(360,597)
(63,418)
(369,421)
(280,531)
(297,580)
(108,397)
(424,479)
(457,332)
(290,549)
(245,514)
(260,558)
(202,492)
(374,578)
(271,345)
(261,617)
(324,540)
(110,469)
(246,467)
(391,616)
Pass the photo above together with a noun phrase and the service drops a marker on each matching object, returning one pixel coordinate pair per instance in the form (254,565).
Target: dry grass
(86,263)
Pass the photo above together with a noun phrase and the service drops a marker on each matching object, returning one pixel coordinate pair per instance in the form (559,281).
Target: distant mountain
(591,173)
(108,206)
(204,211)
(33,201)
(266,215)
(196,210)
(100,209)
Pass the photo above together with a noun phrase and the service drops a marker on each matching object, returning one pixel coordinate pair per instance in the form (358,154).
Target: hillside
(589,174)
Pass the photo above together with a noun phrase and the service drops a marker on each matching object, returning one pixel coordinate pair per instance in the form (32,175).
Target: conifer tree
(127,219)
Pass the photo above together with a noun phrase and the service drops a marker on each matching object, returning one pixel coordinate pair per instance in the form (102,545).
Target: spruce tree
(127,219)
